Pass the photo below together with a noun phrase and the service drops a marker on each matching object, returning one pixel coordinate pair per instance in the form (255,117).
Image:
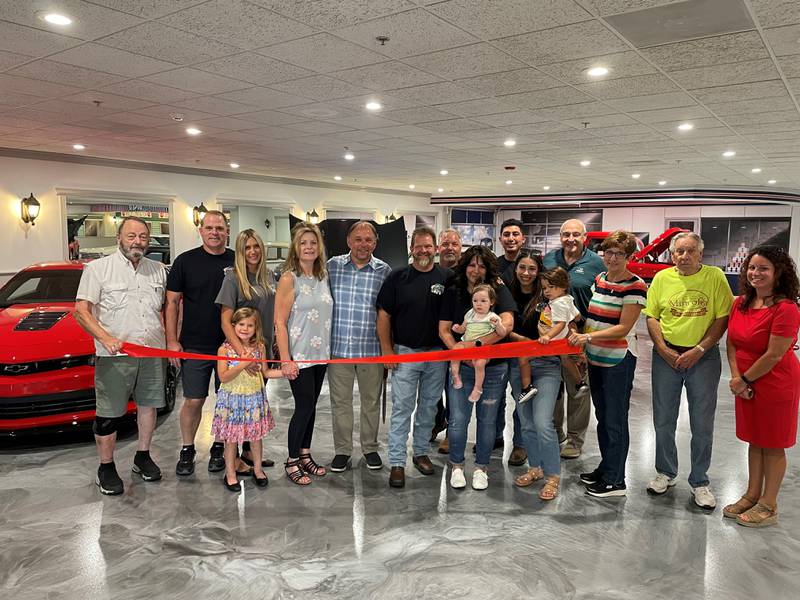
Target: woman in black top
(477,265)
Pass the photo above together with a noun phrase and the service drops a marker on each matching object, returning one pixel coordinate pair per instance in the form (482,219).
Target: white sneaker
(660,483)
(703,497)
(457,480)
(480,480)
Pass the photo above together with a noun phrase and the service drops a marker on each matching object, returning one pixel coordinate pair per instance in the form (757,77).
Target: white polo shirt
(126,301)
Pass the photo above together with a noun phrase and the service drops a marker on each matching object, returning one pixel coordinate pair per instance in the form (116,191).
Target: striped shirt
(605,310)
(355,293)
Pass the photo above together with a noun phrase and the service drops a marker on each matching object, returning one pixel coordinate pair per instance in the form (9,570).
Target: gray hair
(444,232)
(135,220)
(583,225)
(686,234)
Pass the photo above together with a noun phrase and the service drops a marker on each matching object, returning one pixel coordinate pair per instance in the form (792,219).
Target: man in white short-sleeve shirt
(119,300)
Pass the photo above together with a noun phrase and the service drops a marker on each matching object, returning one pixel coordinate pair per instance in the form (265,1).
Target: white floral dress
(310,320)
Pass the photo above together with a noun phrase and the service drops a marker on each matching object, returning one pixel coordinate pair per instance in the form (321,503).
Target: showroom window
(476,227)
(727,241)
(542,227)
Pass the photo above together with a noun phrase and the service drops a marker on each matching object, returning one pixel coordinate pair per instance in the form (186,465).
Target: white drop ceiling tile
(743,91)
(670,126)
(229,123)
(72,110)
(411,32)
(417,115)
(609,132)
(402,131)
(465,61)
(357,136)
(254,68)
(765,116)
(159,41)
(145,90)
(453,125)
(326,111)
(90,21)
(553,97)
(653,102)
(212,106)
(722,49)
(320,88)
(318,127)
(12,59)
(136,119)
(538,128)
(597,121)
(778,103)
(107,101)
(42,89)
(464,145)
(270,117)
(193,80)
(146,9)
(32,42)
(236,22)
(386,75)
(783,127)
(783,40)
(620,64)
(322,53)
(510,82)
(481,106)
(334,14)
(747,71)
(368,121)
(111,60)
(164,111)
(46,70)
(626,87)
(502,18)
(11,99)
(264,98)
(436,93)
(580,40)
(357,104)
(511,118)
(685,113)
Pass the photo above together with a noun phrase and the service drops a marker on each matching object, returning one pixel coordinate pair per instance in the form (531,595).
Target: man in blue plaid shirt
(355,280)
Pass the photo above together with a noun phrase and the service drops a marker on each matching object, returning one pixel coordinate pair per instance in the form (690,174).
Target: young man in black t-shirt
(195,278)
(408,321)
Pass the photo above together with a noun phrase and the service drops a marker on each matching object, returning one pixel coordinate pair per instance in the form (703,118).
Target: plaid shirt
(355,291)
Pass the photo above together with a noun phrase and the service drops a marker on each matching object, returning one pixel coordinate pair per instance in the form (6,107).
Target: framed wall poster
(91,227)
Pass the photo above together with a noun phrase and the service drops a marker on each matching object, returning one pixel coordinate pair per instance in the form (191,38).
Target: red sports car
(645,262)
(46,358)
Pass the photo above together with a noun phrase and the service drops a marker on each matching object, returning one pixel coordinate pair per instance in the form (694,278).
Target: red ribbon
(510,350)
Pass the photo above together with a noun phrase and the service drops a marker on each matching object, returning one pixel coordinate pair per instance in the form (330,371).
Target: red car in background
(46,358)
(645,262)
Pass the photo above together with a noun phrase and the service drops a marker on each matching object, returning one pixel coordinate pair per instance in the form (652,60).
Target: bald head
(573,238)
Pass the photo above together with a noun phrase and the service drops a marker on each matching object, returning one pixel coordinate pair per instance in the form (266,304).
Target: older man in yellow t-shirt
(687,313)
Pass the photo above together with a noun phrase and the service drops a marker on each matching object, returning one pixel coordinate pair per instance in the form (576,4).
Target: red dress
(769,419)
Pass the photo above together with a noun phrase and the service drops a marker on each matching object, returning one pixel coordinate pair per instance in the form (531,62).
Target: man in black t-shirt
(195,279)
(408,321)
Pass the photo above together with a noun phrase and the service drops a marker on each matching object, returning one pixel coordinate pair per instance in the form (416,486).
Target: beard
(132,253)
(423,261)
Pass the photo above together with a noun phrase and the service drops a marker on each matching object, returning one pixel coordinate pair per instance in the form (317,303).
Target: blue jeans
(414,385)
(494,388)
(516,388)
(611,394)
(536,416)
(701,383)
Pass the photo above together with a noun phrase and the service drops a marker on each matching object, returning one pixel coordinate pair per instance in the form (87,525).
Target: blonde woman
(303,313)
(249,284)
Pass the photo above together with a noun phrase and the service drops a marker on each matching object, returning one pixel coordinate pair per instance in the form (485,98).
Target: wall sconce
(312,217)
(391,218)
(30,209)
(198,212)
(267,223)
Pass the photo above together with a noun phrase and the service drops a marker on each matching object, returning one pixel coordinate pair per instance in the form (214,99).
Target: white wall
(23,245)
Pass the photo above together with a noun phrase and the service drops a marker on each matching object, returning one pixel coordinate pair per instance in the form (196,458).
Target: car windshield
(31,287)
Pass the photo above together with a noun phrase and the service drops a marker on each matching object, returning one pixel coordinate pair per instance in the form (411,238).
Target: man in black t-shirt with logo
(408,321)
(195,278)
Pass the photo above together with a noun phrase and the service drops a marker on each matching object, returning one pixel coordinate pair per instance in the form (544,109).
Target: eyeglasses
(614,254)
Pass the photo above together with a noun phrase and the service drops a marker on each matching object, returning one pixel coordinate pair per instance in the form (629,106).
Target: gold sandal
(731,511)
(550,489)
(529,477)
(760,515)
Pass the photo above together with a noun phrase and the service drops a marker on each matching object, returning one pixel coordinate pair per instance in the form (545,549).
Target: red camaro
(46,358)
(644,262)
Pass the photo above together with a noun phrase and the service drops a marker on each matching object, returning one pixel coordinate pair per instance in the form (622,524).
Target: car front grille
(40,366)
(23,407)
(39,321)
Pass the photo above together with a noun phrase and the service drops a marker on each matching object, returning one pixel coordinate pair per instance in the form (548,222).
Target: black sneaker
(144,466)
(185,464)
(108,480)
(340,463)
(373,460)
(601,489)
(581,387)
(526,394)
(591,478)
(216,458)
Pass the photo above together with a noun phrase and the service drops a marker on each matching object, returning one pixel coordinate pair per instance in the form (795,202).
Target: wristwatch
(746,379)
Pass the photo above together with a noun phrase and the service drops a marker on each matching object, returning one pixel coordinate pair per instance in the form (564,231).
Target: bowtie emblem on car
(15,368)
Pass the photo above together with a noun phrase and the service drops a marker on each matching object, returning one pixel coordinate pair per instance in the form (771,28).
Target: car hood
(56,338)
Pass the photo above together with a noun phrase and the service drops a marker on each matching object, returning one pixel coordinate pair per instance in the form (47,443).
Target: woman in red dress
(765,376)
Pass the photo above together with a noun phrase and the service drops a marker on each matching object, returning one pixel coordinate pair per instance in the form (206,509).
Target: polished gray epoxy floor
(350,536)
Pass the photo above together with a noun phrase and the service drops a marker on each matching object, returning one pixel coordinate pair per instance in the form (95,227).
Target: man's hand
(688,359)
(175,347)
(112,344)
(669,355)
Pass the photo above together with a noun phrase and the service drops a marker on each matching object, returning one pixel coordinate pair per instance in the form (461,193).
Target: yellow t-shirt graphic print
(688,303)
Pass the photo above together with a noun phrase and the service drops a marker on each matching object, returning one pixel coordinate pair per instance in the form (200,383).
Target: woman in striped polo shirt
(610,342)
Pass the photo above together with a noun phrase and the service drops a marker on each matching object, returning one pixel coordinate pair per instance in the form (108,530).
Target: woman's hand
(578,339)
(290,370)
(544,339)
(738,386)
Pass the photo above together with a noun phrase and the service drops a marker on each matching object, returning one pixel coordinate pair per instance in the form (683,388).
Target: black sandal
(309,466)
(296,476)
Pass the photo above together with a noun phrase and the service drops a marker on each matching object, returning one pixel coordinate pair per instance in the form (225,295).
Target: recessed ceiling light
(636,175)
(372,105)
(411,186)
(440,190)
(193,131)
(510,143)
(685,126)
(57,19)
(509,182)
(546,187)
(728,153)
(662,182)
(349,156)
(585,163)
(597,72)
(234,165)
(772,181)
(78,147)
(756,170)
(443,172)
(337,177)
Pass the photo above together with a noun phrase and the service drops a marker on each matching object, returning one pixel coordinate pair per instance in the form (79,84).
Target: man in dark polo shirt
(583,266)
(408,321)
(195,278)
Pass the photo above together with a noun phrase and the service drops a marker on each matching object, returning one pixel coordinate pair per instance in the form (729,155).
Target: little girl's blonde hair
(245,313)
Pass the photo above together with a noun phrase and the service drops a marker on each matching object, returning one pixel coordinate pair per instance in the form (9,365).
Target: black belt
(678,349)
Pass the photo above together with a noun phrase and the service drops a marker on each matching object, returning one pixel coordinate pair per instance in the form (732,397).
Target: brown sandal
(529,477)
(731,511)
(550,489)
(760,515)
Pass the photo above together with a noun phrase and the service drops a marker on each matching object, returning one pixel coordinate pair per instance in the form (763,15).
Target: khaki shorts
(117,378)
